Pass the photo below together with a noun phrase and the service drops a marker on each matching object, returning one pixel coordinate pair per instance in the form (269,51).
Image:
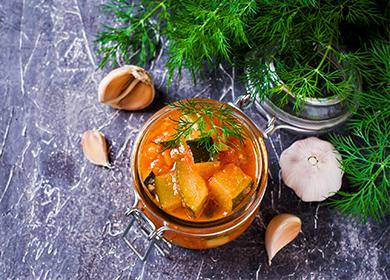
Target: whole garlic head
(311,167)
(129,88)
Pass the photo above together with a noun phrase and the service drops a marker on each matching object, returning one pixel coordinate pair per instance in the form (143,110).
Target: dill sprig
(208,120)
(135,34)
(366,162)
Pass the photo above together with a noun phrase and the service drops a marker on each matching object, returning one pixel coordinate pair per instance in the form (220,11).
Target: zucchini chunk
(192,187)
(230,186)
(149,181)
(198,149)
(168,197)
(207,169)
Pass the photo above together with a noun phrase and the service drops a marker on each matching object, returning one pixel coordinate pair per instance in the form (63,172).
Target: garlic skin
(311,167)
(281,230)
(95,147)
(128,88)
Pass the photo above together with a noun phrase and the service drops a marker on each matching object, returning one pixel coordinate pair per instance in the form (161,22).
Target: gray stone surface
(62,218)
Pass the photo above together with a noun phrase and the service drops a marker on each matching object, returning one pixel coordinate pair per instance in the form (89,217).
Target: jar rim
(254,198)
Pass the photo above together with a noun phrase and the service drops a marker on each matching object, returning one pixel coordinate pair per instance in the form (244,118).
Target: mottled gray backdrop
(62,218)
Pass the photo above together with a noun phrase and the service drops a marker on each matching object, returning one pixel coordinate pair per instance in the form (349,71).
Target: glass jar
(316,116)
(162,229)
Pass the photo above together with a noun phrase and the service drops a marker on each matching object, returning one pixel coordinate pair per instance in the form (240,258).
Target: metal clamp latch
(246,101)
(273,124)
(243,102)
(148,229)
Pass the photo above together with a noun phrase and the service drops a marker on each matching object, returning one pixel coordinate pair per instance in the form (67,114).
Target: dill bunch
(196,31)
(209,120)
(208,31)
(325,72)
(304,42)
(200,31)
(366,152)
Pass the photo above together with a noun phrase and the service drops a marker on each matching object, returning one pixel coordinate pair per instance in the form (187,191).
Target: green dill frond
(209,120)
(205,32)
(286,21)
(134,37)
(196,31)
(366,153)
(367,167)
(302,39)
(378,64)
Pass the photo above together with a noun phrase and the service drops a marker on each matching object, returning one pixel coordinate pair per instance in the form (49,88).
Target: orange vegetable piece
(192,187)
(229,186)
(207,169)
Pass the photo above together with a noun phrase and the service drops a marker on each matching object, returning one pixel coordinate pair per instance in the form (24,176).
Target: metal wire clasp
(244,101)
(153,236)
(273,123)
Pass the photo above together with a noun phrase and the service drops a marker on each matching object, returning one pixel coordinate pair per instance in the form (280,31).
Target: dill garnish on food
(208,120)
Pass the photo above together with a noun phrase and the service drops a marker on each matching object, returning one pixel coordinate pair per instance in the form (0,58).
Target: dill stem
(316,71)
(189,127)
(328,47)
(141,22)
(206,21)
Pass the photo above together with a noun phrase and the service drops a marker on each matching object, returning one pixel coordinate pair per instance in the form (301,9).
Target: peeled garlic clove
(95,147)
(129,88)
(311,167)
(282,229)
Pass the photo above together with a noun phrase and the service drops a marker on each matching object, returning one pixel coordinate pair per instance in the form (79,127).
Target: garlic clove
(141,96)
(95,147)
(132,83)
(282,229)
(129,87)
(114,83)
(311,167)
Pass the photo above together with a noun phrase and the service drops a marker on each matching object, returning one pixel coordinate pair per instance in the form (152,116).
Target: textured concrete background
(62,218)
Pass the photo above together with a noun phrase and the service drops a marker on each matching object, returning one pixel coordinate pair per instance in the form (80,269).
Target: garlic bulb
(129,88)
(282,229)
(311,167)
(95,148)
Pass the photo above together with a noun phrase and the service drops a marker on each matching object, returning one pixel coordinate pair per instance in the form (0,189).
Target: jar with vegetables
(200,172)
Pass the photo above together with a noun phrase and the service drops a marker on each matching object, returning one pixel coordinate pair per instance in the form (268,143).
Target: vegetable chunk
(150,181)
(207,169)
(167,195)
(198,149)
(192,187)
(229,186)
